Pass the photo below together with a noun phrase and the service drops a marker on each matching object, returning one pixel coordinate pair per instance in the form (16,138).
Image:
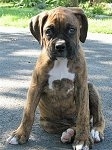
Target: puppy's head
(60,30)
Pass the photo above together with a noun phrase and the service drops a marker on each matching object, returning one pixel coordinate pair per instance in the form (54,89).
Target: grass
(14,16)
(100,25)
(19,17)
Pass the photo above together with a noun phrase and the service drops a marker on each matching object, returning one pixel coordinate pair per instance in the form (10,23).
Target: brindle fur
(60,110)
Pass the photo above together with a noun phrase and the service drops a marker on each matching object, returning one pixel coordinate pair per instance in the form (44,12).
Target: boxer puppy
(59,84)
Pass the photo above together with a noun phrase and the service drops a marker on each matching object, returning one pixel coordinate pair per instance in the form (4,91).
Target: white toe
(79,147)
(64,137)
(70,132)
(12,140)
(95,135)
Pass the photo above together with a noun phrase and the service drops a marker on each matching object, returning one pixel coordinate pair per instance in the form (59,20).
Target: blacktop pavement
(18,54)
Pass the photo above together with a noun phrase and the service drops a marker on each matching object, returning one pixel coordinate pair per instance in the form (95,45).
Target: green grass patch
(19,17)
(100,25)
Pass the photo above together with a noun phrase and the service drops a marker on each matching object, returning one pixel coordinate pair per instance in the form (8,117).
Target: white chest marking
(60,71)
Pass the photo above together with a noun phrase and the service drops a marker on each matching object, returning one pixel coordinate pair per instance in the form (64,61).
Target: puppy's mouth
(53,54)
(62,54)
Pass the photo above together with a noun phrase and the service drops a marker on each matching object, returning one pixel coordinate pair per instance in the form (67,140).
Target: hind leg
(97,131)
(68,135)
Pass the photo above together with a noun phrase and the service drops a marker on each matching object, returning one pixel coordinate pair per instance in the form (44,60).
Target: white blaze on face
(60,71)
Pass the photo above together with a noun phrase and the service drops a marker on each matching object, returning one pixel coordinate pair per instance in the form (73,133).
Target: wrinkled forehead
(61,19)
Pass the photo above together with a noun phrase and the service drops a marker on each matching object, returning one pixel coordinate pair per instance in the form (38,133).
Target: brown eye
(71,31)
(49,32)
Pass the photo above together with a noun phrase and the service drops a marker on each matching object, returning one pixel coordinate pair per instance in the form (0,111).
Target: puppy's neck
(60,71)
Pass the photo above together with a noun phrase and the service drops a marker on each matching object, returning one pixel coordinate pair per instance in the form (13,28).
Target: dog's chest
(59,75)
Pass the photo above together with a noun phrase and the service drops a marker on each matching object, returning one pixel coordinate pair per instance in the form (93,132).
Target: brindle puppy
(59,85)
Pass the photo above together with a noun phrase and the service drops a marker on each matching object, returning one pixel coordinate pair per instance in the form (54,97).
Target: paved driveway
(18,54)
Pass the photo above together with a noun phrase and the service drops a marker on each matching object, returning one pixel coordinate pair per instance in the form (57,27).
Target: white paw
(80,147)
(12,140)
(67,135)
(95,135)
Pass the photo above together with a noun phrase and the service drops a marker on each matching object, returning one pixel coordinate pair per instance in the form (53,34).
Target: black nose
(60,46)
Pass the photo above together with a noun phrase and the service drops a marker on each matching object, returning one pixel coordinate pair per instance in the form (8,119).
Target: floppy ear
(36,25)
(79,13)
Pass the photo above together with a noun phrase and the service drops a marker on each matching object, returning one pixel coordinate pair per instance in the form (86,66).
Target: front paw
(97,135)
(18,137)
(82,144)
